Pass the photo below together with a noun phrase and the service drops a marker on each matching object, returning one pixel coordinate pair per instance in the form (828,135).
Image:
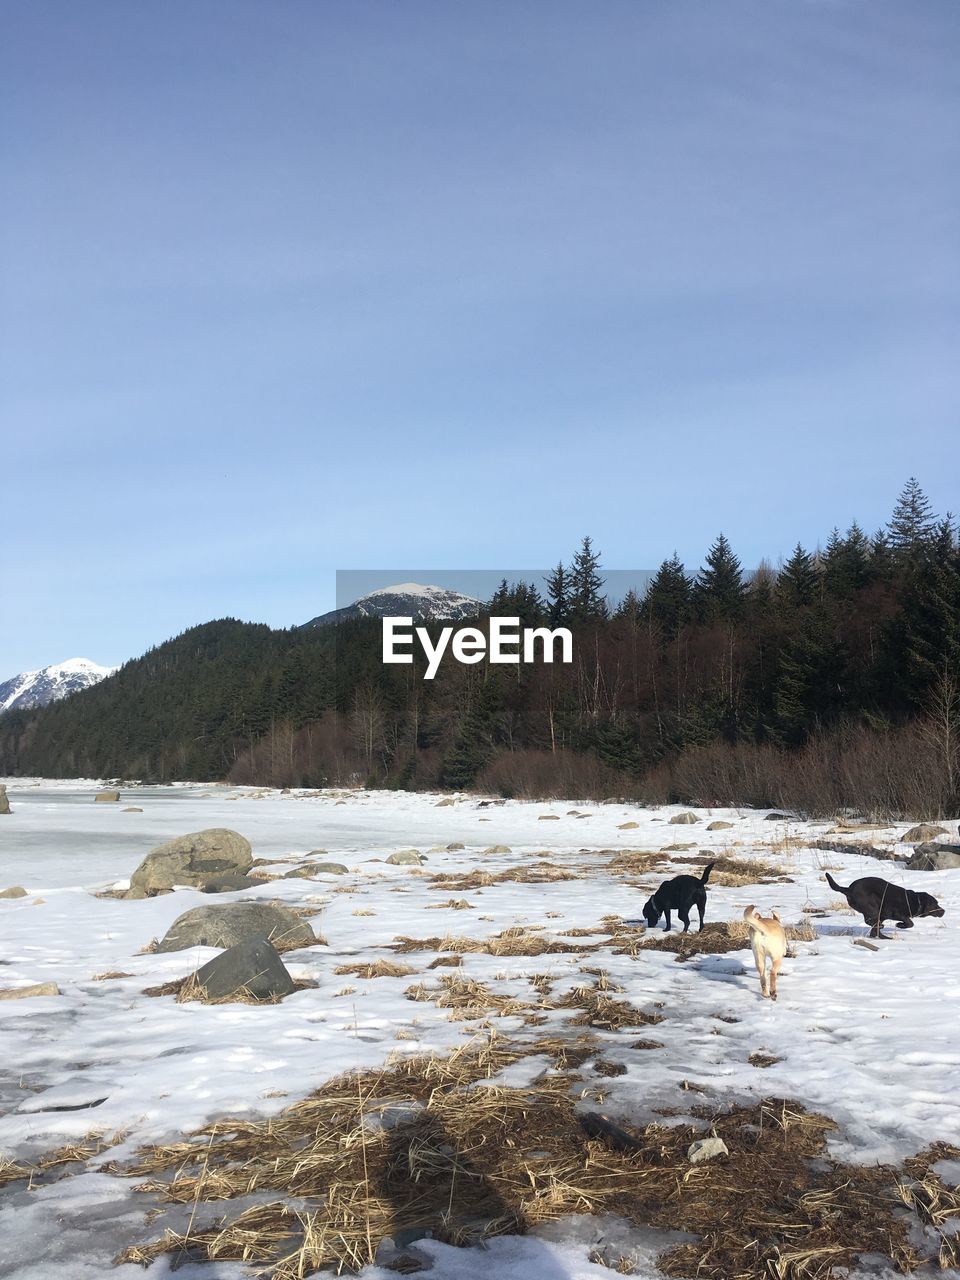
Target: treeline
(836,676)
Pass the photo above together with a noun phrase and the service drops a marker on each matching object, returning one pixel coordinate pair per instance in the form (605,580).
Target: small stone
(452,848)
(720,825)
(706,1149)
(25,993)
(132,808)
(549,817)
(628,826)
(498,848)
(15,891)
(683,819)
(406,858)
(446,803)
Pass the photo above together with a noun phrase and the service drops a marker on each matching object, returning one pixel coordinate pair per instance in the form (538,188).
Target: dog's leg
(666,927)
(684,914)
(905,924)
(760,960)
(774,970)
(700,910)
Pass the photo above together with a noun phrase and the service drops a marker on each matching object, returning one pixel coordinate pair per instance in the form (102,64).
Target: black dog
(878,900)
(679,895)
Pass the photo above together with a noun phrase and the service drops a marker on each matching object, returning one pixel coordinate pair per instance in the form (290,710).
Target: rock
(15,891)
(253,967)
(194,860)
(498,848)
(25,993)
(106,797)
(4,801)
(406,858)
(230,882)
(720,825)
(446,803)
(775,815)
(706,1149)
(628,826)
(452,848)
(324,869)
(134,894)
(549,817)
(132,808)
(678,848)
(683,819)
(923,832)
(233,922)
(934,857)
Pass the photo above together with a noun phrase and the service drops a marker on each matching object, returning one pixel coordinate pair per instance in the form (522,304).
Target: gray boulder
(309,869)
(934,857)
(229,882)
(4,800)
(195,860)
(252,968)
(15,891)
(720,825)
(406,858)
(106,797)
(776,815)
(922,832)
(233,922)
(683,819)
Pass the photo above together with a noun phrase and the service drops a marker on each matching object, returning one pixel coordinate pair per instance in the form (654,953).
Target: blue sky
(287,287)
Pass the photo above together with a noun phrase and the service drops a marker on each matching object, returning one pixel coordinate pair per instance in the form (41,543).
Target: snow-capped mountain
(37,688)
(405,600)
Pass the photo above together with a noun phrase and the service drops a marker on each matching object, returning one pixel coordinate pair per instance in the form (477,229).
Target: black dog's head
(927,905)
(651,912)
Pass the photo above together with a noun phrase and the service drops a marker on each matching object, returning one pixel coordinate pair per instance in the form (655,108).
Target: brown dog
(767,939)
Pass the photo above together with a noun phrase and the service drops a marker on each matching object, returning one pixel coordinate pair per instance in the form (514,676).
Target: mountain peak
(49,684)
(423,603)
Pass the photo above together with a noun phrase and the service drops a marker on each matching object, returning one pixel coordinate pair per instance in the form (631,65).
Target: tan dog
(767,939)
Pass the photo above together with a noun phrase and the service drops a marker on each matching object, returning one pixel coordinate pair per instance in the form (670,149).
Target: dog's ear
(775,916)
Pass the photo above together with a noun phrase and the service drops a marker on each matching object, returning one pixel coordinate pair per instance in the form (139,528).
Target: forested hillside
(837,677)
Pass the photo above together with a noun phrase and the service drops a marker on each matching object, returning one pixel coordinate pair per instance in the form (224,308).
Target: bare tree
(941,729)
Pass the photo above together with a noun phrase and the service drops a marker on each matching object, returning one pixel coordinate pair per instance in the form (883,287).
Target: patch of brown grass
(452,904)
(517,941)
(376,969)
(110,975)
(734,873)
(539,873)
(469,1000)
(473,1162)
(595,1007)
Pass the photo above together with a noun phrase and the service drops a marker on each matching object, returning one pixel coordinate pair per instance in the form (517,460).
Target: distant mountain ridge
(50,684)
(405,600)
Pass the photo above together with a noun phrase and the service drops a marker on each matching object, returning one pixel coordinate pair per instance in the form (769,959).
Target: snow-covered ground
(870,1037)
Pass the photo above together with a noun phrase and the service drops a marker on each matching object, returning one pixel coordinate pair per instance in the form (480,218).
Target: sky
(291,287)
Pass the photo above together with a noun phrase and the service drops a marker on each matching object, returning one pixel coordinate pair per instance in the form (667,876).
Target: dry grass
(734,873)
(452,904)
(378,969)
(716,938)
(110,975)
(517,941)
(472,1162)
(595,1007)
(470,1001)
(540,873)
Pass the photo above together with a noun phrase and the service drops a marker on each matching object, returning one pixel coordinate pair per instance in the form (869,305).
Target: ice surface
(869,1037)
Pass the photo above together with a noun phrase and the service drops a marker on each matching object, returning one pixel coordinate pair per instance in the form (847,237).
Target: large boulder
(233,922)
(683,819)
(251,968)
(106,797)
(922,832)
(15,891)
(195,860)
(308,870)
(934,857)
(720,825)
(27,993)
(406,858)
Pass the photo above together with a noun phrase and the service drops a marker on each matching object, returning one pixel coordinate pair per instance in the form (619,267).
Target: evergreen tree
(911,526)
(799,580)
(587,602)
(720,592)
(669,598)
(809,687)
(558,595)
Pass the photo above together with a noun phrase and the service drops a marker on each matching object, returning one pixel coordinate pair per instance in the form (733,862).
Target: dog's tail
(706,872)
(833,884)
(756,921)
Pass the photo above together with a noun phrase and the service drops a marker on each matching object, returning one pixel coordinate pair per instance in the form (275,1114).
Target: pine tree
(911,526)
(587,602)
(558,595)
(798,582)
(720,593)
(668,601)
